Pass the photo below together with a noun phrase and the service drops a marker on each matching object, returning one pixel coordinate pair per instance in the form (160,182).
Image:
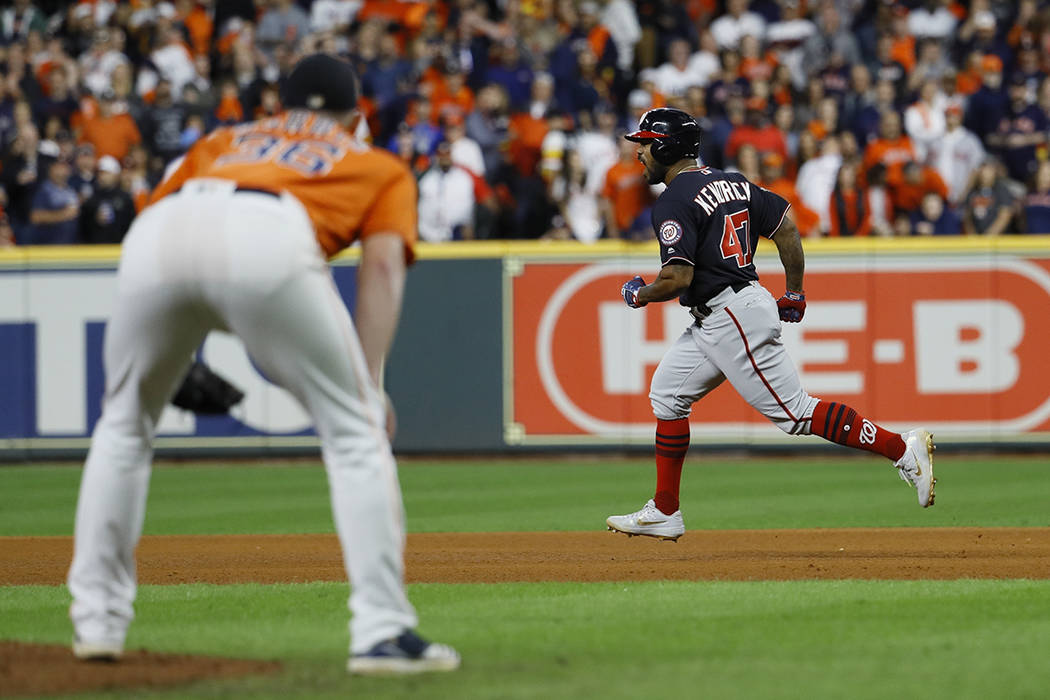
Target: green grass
(554,494)
(809,639)
(806,639)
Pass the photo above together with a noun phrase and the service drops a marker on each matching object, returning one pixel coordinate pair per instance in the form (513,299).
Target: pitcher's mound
(51,669)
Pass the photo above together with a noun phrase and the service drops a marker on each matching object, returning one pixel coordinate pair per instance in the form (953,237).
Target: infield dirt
(739,555)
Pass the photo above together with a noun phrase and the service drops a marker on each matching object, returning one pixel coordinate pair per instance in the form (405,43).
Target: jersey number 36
(312,157)
(736,238)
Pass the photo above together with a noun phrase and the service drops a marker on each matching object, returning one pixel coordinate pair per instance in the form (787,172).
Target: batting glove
(630,291)
(792,306)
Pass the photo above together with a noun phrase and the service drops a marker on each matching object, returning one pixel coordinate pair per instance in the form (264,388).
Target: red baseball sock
(672,442)
(839,423)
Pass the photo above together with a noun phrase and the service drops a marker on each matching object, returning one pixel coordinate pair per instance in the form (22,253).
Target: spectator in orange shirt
(198,23)
(775,180)
(452,94)
(968,79)
(230,110)
(112,132)
(826,120)
(526,133)
(848,209)
(911,183)
(134,178)
(893,148)
(903,45)
(625,196)
(598,36)
(753,64)
(757,130)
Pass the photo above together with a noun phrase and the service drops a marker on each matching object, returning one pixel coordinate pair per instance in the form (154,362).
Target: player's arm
(789,245)
(677,240)
(673,280)
(380,288)
(791,306)
(387,236)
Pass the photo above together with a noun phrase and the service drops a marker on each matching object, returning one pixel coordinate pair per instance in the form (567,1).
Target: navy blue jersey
(711,219)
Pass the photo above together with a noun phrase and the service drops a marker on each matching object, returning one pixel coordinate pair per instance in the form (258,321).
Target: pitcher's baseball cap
(321,81)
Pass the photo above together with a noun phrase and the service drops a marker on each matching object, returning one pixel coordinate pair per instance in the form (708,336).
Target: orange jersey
(805,218)
(893,154)
(111,136)
(627,191)
(907,196)
(349,189)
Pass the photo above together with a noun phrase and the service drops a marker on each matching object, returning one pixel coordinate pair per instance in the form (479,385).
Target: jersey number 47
(736,238)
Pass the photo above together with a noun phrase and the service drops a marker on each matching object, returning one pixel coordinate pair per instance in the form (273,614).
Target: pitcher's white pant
(208,258)
(739,341)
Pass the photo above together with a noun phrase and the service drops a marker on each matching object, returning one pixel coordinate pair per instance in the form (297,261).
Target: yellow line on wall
(108,255)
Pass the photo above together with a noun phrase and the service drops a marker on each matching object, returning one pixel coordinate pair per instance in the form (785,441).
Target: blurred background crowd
(873,117)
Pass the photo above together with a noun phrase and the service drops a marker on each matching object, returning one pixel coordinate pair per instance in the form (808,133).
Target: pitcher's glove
(792,306)
(203,391)
(629,291)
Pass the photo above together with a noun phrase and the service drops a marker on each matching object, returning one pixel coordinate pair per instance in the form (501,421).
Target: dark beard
(655,174)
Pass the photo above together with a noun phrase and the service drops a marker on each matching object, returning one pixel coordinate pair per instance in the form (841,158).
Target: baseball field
(798,577)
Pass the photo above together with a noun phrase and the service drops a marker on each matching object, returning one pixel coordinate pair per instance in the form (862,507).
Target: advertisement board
(955,343)
(52,321)
(517,346)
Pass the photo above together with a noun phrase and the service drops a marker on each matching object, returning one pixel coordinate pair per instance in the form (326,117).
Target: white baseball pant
(210,257)
(739,341)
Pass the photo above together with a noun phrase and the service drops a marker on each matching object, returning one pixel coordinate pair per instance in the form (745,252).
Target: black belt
(701,311)
(257,190)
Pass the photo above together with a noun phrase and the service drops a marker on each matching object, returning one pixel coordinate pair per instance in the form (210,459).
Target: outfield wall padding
(521,346)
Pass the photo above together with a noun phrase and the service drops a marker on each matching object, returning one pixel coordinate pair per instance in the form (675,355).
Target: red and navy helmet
(675,134)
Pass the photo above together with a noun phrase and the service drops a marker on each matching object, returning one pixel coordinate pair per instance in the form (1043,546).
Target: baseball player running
(708,223)
(236,239)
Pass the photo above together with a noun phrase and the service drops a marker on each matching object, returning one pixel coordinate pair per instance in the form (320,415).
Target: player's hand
(629,291)
(792,306)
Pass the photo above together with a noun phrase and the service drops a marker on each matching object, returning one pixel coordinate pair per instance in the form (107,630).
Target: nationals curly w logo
(867,432)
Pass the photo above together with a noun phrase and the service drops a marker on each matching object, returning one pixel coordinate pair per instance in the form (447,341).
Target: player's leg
(684,375)
(744,341)
(302,337)
(148,345)
(911,451)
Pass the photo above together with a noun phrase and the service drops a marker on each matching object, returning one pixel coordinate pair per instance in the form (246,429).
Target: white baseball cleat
(916,466)
(648,522)
(97,650)
(404,654)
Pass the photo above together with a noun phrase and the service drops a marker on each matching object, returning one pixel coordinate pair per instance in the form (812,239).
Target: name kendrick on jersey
(720,192)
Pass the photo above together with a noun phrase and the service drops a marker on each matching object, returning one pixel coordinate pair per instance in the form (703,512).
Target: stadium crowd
(873,117)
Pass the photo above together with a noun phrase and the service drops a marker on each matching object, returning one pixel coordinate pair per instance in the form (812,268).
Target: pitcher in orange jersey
(235,238)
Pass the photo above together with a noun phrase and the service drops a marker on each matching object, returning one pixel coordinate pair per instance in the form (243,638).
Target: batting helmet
(675,135)
(321,81)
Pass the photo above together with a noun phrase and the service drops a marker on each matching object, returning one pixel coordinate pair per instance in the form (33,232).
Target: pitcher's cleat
(648,522)
(97,650)
(916,465)
(407,653)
